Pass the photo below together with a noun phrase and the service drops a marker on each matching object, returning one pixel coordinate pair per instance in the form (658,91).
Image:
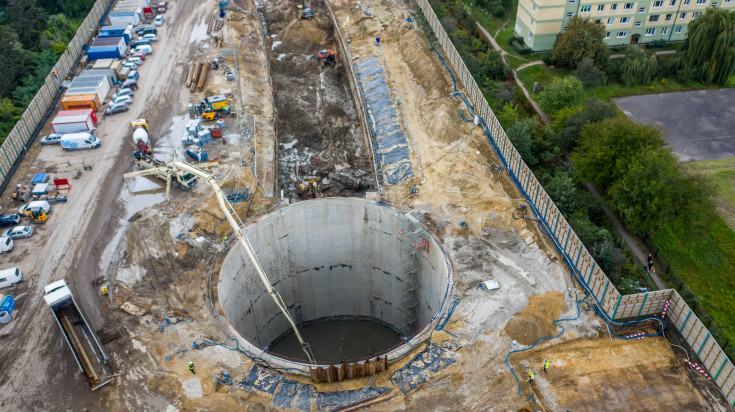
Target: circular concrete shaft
(333,260)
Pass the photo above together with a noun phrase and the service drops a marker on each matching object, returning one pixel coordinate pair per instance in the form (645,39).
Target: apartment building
(539,21)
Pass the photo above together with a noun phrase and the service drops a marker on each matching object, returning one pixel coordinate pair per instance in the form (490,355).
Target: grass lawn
(721,173)
(707,266)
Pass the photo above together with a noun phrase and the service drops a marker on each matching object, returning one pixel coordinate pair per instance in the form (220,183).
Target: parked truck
(84,345)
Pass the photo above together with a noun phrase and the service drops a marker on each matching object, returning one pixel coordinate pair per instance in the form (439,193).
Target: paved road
(698,125)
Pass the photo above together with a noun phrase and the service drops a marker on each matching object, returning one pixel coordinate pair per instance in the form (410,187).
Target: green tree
(710,46)
(508,115)
(589,74)
(9,115)
(562,190)
(606,148)
(493,66)
(521,135)
(647,194)
(14,62)
(637,67)
(582,38)
(593,110)
(28,21)
(560,93)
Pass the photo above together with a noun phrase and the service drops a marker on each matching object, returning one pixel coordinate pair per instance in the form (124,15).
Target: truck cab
(162,6)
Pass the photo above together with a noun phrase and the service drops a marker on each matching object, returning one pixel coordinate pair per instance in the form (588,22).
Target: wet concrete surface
(317,122)
(337,341)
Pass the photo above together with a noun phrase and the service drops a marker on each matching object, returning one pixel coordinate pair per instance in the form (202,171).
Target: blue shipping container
(103,52)
(124,35)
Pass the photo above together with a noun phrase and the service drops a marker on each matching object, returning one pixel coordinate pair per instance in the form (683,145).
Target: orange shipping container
(82,101)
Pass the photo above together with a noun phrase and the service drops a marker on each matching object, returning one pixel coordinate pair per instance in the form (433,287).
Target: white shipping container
(72,124)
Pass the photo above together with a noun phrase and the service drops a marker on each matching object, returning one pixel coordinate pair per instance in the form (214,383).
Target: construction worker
(224,239)
(531,376)
(191,368)
(546,366)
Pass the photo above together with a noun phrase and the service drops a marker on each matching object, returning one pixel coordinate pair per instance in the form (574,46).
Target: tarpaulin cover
(387,136)
(422,367)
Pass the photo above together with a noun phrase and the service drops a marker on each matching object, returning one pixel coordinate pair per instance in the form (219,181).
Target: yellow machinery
(310,187)
(218,102)
(139,122)
(37,215)
(210,115)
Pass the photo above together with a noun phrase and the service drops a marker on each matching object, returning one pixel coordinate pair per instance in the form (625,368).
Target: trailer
(180,179)
(72,121)
(87,350)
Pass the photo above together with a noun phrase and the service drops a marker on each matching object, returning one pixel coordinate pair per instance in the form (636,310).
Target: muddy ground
(316,122)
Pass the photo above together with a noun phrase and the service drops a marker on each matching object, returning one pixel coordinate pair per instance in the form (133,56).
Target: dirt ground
(159,257)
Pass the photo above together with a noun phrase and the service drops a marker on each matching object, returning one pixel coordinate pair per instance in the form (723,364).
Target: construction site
(345,235)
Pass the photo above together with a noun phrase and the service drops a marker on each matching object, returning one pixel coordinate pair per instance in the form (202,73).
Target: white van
(143,48)
(10,277)
(74,141)
(43,204)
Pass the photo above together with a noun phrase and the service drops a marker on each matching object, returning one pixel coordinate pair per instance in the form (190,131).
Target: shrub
(560,93)
(498,11)
(589,74)
(546,58)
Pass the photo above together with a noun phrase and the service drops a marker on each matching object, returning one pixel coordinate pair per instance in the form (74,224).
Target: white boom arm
(228,211)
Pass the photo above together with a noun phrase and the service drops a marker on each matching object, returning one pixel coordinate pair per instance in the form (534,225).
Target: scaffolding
(413,240)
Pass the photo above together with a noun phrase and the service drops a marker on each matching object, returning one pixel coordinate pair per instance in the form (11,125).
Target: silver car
(53,138)
(18,232)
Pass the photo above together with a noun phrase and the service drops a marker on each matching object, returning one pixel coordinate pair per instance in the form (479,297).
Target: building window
(629,6)
(686,3)
(585,9)
(700,2)
(529,35)
(601,7)
(611,21)
(624,20)
(598,21)
(678,30)
(621,34)
(658,4)
(668,17)
(570,15)
(607,34)
(642,10)
(673,3)
(533,8)
(650,32)
(614,7)
(696,14)
(653,17)
(572,1)
(728,1)
(682,16)
(714,4)
(664,31)
(638,24)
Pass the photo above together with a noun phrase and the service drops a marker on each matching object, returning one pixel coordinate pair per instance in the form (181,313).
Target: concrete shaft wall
(328,258)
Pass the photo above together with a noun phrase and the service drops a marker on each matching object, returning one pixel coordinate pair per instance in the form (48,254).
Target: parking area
(698,125)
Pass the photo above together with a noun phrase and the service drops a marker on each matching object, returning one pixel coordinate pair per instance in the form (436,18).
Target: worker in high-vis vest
(530,377)
(546,366)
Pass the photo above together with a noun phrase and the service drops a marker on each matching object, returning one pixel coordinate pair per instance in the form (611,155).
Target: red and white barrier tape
(666,307)
(636,336)
(698,369)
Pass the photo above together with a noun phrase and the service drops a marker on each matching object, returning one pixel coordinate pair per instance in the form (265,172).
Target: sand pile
(536,320)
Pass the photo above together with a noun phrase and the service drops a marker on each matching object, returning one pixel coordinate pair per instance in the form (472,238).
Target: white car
(150,37)
(135,59)
(18,232)
(6,244)
(132,65)
(121,99)
(123,92)
(158,21)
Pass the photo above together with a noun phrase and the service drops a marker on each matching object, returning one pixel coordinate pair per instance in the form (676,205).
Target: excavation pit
(360,280)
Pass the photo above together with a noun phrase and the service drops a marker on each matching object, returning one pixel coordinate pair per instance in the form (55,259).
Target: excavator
(36,214)
(310,187)
(304,12)
(327,56)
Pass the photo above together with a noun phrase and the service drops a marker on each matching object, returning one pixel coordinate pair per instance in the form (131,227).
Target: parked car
(162,6)
(151,37)
(116,108)
(141,55)
(53,138)
(134,59)
(133,75)
(123,92)
(121,99)
(143,48)
(132,65)
(44,205)
(9,220)
(158,21)
(140,42)
(10,277)
(18,232)
(129,84)
(6,244)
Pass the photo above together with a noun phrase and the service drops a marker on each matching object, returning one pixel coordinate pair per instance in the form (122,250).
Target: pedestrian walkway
(524,65)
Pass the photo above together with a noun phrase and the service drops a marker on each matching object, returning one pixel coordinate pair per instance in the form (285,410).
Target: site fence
(568,243)
(36,112)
